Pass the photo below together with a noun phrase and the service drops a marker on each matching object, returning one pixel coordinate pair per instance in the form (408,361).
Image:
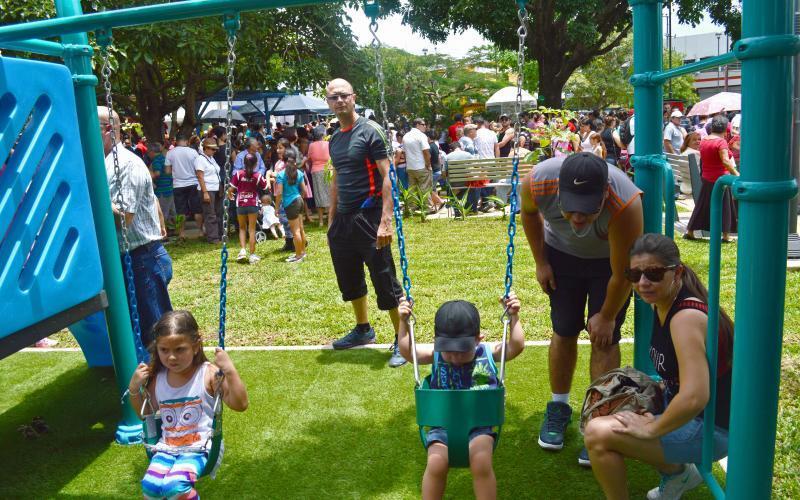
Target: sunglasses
(338,97)
(653,274)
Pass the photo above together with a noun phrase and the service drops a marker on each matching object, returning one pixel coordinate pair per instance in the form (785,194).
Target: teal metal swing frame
(763,191)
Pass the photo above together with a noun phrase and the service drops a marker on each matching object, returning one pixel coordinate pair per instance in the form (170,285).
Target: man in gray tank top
(580,218)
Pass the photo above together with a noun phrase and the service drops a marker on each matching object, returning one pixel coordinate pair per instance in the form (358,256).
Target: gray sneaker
(355,338)
(397,360)
(672,487)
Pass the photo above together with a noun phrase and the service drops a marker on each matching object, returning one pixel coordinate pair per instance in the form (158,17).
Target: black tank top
(612,150)
(505,150)
(665,360)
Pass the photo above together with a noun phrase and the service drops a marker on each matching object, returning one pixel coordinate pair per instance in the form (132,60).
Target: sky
(392,32)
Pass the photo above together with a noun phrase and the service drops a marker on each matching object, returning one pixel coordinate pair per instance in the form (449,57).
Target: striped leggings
(173,476)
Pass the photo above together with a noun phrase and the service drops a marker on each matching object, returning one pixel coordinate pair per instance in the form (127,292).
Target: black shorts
(187,201)
(244,211)
(294,209)
(577,280)
(352,238)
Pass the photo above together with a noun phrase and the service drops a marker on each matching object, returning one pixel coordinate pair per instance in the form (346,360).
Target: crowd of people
(188,175)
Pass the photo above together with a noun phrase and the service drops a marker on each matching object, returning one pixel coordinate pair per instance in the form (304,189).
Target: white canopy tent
(503,100)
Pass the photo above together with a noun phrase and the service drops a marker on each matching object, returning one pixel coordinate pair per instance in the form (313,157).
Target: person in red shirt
(716,161)
(451,130)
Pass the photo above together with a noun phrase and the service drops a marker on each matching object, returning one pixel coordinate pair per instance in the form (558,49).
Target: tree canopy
(604,82)
(161,67)
(563,35)
(434,84)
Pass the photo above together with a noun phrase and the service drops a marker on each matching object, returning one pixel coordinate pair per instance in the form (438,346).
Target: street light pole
(669,46)
(718,68)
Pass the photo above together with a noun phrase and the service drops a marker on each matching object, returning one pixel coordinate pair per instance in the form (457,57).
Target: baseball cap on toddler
(456,325)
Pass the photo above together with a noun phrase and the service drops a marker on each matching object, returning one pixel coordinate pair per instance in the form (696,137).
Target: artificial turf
(321,424)
(338,424)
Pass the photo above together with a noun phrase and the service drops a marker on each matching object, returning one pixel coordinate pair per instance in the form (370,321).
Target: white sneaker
(672,487)
(295,258)
(254,258)
(242,255)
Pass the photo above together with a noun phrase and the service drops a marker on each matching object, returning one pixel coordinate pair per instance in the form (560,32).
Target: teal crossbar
(137,16)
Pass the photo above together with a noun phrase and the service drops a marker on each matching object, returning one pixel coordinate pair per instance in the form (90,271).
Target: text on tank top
(187,412)
(665,359)
(558,232)
(480,373)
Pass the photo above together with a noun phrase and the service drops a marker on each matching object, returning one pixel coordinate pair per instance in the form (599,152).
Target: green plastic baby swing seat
(459,411)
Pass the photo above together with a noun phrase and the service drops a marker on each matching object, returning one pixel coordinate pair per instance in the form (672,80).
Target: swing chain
(376,46)
(398,214)
(522,33)
(231,24)
(104,38)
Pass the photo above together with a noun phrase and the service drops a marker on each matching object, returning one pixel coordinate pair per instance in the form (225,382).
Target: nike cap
(582,183)
(455,327)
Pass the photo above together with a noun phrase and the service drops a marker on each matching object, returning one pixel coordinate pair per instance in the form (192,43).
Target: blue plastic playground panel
(49,261)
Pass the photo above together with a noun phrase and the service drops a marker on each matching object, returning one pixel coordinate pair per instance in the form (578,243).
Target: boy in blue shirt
(461,361)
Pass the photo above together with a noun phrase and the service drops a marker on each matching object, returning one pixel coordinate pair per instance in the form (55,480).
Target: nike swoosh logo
(575,181)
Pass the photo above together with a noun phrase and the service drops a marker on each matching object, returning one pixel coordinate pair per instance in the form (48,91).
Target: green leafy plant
(417,199)
(459,204)
(180,220)
(499,203)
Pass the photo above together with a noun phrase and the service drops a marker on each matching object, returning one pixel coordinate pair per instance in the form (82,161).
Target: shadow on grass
(346,457)
(81,410)
(376,359)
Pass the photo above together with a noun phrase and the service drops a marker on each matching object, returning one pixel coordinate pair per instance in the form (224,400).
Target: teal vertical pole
(712,332)
(647,102)
(117,315)
(763,191)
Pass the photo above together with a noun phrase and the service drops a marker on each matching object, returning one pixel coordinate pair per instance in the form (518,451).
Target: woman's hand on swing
(139,378)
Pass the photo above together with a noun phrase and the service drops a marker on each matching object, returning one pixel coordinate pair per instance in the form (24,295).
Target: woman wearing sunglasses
(672,441)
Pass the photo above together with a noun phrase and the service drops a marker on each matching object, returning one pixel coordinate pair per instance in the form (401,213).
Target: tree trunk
(151,109)
(550,88)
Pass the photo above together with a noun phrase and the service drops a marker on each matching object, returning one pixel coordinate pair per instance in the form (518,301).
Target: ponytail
(291,167)
(696,288)
(250,162)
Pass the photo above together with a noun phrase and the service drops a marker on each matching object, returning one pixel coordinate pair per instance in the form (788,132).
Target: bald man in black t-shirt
(360,230)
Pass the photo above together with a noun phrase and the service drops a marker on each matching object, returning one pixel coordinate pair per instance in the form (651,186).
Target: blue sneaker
(556,419)
(583,458)
(397,360)
(355,338)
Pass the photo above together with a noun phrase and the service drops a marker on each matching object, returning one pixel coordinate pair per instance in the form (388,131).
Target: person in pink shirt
(318,156)
(246,183)
(716,160)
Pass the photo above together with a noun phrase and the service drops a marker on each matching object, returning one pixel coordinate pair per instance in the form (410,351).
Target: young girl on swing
(182,382)
(247,182)
(461,361)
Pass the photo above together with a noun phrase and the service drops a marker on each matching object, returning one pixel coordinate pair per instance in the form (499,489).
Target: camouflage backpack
(622,389)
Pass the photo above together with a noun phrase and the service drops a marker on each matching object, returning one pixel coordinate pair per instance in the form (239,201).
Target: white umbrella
(724,101)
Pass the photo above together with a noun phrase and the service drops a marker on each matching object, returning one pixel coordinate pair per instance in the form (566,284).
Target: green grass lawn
(275,303)
(337,424)
(321,424)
